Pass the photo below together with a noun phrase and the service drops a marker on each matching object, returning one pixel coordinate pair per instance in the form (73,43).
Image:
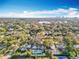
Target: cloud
(73,9)
(70,12)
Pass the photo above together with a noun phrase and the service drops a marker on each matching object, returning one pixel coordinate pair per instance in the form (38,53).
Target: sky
(39,8)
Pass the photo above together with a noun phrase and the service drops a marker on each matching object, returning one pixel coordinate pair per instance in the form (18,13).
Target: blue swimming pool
(62,57)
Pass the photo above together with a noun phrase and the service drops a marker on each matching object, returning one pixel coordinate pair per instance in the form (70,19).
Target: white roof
(53,47)
(76,46)
(46,22)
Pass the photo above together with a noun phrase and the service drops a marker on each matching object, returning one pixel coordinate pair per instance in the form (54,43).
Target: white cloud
(71,12)
(73,9)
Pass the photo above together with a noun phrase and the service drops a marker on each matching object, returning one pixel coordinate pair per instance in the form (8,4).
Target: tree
(68,39)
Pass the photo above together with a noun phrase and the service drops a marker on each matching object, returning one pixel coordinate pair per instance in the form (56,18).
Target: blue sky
(38,7)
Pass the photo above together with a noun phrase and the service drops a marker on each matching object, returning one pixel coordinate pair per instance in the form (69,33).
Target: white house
(44,22)
(76,46)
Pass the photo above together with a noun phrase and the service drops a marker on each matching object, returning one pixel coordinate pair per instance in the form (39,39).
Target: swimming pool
(62,57)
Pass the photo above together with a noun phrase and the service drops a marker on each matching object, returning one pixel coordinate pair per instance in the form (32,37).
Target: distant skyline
(39,8)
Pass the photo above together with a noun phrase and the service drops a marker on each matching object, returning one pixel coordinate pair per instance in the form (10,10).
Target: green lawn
(30,57)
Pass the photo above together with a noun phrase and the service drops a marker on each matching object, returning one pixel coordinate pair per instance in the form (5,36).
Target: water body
(62,57)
